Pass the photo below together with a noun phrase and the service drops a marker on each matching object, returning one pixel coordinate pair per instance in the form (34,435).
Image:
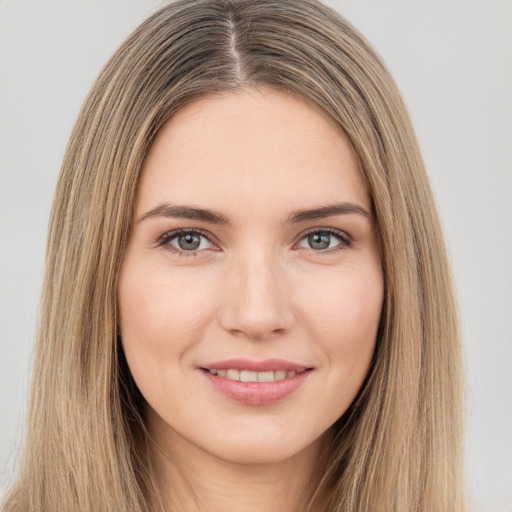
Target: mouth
(256,383)
(252,376)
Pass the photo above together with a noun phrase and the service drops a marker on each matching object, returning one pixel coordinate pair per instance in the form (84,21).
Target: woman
(247,302)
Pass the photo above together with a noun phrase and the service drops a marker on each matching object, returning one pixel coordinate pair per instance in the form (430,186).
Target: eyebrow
(328,211)
(186,212)
(215,217)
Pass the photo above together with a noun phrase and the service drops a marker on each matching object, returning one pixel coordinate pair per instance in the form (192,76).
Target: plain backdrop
(453,62)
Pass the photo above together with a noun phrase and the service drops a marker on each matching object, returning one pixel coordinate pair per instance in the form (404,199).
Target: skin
(254,289)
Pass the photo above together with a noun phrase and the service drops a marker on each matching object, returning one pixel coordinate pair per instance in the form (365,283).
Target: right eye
(187,242)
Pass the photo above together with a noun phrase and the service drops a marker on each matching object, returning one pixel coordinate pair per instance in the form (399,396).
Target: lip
(267,365)
(256,393)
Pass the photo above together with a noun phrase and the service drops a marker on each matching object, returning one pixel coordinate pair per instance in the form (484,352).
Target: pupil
(189,241)
(319,240)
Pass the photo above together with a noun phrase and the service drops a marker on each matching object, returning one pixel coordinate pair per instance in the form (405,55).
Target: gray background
(453,62)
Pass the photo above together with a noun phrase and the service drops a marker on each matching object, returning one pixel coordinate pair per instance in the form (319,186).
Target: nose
(257,301)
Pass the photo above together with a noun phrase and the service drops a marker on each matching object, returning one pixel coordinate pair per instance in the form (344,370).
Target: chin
(269,447)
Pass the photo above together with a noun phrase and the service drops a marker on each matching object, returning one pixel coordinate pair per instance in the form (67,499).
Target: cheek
(163,317)
(344,315)
(162,311)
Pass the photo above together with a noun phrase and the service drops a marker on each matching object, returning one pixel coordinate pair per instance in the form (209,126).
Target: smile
(252,376)
(256,382)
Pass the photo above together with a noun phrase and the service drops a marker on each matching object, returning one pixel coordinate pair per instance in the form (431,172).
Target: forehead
(249,147)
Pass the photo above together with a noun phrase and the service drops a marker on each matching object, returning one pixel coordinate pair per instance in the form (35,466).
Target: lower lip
(256,393)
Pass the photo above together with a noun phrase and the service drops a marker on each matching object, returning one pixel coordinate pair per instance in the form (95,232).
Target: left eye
(322,240)
(188,241)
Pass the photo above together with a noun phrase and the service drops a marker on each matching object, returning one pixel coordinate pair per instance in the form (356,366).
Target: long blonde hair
(399,446)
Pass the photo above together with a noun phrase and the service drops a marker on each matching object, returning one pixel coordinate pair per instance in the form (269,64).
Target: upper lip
(267,365)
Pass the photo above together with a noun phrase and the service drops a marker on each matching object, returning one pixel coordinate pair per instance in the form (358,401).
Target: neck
(193,480)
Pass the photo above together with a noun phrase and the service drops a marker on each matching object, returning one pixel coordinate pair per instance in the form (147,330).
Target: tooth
(233,374)
(248,376)
(280,375)
(290,374)
(213,372)
(265,376)
(221,373)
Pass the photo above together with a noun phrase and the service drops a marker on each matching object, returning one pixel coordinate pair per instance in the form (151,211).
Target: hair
(398,448)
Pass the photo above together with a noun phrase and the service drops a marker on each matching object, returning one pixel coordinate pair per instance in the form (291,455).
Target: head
(398,440)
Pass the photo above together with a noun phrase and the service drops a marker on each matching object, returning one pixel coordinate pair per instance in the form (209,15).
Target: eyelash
(345,241)
(164,241)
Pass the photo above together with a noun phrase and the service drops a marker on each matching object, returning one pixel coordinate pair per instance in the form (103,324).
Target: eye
(323,240)
(186,241)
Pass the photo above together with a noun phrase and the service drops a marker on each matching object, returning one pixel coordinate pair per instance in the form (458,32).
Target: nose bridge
(257,295)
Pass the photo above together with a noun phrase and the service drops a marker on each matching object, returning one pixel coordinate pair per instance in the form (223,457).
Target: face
(251,288)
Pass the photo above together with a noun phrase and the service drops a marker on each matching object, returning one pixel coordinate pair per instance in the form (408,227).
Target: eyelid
(344,238)
(163,241)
